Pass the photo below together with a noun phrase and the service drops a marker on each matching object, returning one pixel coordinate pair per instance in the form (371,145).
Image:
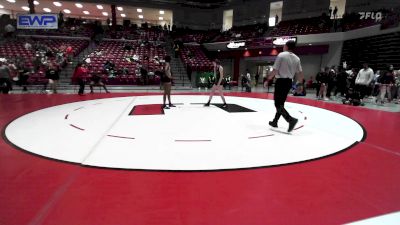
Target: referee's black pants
(282,88)
(81,84)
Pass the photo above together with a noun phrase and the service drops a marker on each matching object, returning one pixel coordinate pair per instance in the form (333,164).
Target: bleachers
(378,51)
(14,50)
(301,26)
(130,33)
(193,56)
(194,36)
(84,30)
(243,33)
(114,52)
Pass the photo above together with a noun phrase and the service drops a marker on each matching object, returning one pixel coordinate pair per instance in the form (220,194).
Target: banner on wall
(37,21)
(233,45)
(283,40)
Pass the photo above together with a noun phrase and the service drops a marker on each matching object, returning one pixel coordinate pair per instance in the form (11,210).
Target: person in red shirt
(69,53)
(80,75)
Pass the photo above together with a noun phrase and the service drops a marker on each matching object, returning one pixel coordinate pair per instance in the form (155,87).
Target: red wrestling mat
(141,110)
(356,184)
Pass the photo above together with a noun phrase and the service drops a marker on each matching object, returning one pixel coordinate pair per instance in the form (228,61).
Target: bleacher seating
(194,36)
(83,30)
(301,26)
(242,33)
(114,52)
(14,49)
(131,33)
(193,56)
(378,51)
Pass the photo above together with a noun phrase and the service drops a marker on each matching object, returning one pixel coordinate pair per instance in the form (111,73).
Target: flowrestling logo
(377,16)
(37,21)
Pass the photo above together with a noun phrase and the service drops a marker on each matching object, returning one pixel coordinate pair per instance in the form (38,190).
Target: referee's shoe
(292,124)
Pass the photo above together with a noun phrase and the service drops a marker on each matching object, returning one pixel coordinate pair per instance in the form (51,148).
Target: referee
(286,66)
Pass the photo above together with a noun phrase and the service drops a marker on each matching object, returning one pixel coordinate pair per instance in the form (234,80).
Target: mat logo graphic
(37,21)
(377,16)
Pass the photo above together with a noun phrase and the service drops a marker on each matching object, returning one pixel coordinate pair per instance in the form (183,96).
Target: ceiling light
(120,8)
(86,12)
(105,13)
(67,11)
(1,7)
(160,18)
(123,15)
(139,10)
(35,2)
(162,12)
(79,5)
(26,8)
(57,4)
(99,6)
(46,9)
(12,1)
(141,16)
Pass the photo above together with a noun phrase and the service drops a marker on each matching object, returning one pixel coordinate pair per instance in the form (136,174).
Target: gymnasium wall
(198,19)
(370,5)
(295,9)
(251,12)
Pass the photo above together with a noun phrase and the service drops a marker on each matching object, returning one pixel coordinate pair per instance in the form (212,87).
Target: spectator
(80,76)
(341,79)
(397,85)
(300,89)
(351,78)
(322,83)
(144,74)
(189,71)
(386,81)
(176,50)
(310,83)
(331,81)
(248,76)
(363,80)
(9,30)
(69,53)
(256,77)
(335,12)
(96,81)
(23,74)
(60,19)
(375,84)
(28,46)
(37,63)
(276,19)
(109,68)
(52,73)
(5,75)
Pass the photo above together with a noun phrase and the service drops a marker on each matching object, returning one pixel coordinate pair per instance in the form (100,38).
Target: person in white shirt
(248,76)
(286,66)
(364,79)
